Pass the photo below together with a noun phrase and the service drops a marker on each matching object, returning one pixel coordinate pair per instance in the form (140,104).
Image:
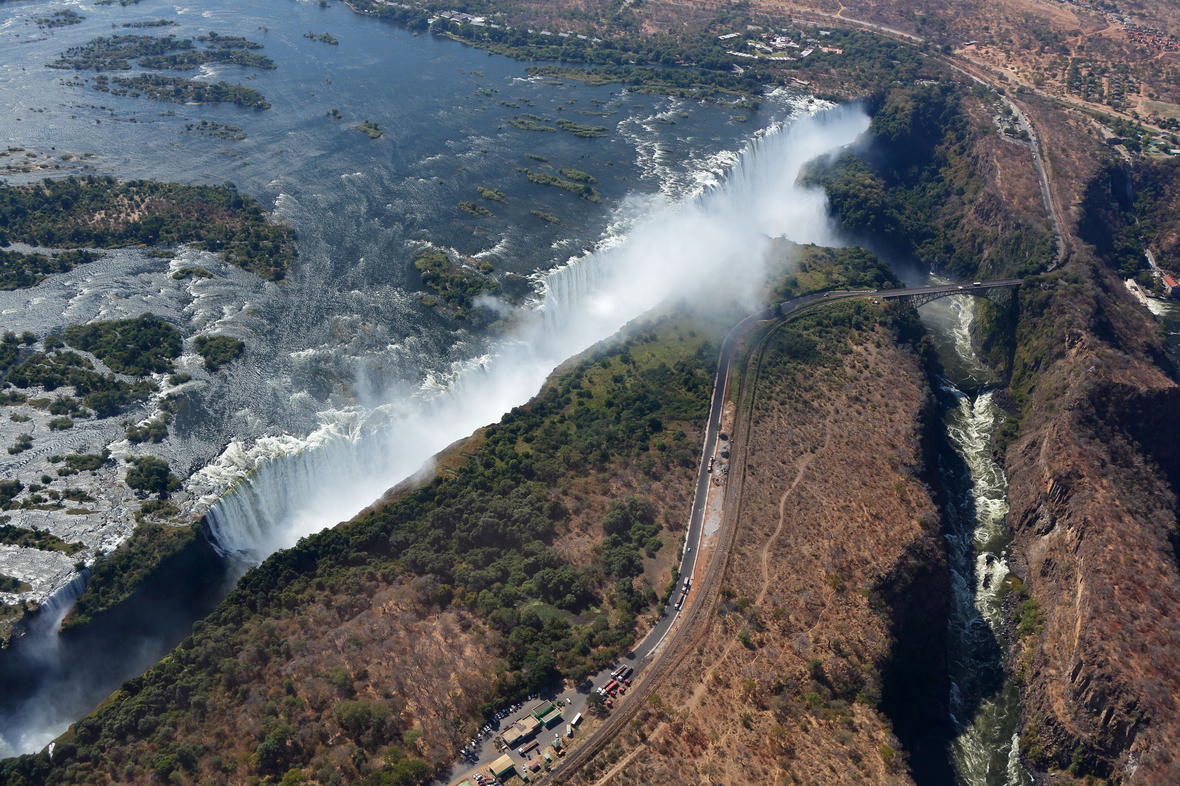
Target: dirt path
(782,507)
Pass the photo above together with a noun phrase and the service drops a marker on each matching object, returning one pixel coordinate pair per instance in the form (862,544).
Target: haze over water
(343,348)
(345,332)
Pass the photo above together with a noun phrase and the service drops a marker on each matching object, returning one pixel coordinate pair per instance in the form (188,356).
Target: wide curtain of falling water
(702,250)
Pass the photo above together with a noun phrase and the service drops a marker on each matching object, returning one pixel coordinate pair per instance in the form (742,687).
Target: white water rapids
(985,706)
(709,249)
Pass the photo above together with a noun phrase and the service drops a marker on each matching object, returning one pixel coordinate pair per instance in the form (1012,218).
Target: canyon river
(350,383)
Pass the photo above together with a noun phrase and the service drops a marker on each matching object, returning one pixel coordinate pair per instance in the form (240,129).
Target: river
(349,382)
(984,704)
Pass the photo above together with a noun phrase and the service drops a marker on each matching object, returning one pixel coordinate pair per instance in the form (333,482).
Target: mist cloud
(702,250)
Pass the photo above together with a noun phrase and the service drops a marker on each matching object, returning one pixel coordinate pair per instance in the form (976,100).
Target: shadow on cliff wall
(48,680)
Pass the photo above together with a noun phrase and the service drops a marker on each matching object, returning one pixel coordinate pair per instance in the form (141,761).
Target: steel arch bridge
(998,292)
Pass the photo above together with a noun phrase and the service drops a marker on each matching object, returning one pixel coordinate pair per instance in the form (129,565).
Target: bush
(153,476)
(218,350)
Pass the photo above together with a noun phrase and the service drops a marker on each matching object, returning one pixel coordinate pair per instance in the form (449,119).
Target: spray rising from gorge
(710,249)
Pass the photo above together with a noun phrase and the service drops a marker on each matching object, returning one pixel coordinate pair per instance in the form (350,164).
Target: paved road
(640,657)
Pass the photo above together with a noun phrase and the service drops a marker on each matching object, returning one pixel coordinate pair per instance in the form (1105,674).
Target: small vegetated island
(216,130)
(581,189)
(116,53)
(63,18)
(104,213)
(369,127)
(326,38)
(455,285)
(218,350)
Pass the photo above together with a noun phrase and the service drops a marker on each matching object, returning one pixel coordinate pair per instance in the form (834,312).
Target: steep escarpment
(837,557)
(1092,468)
(933,181)
(1095,639)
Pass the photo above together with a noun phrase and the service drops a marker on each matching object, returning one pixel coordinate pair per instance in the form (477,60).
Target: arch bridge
(998,292)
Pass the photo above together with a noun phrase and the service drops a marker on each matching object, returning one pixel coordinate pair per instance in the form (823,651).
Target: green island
(116,52)
(529,125)
(136,347)
(63,18)
(326,38)
(474,209)
(9,584)
(372,129)
(178,90)
(21,271)
(216,130)
(191,59)
(152,476)
(457,286)
(546,217)
(216,40)
(28,538)
(218,350)
(104,213)
(492,194)
(192,272)
(80,462)
(334,113)
(155,430)
(23,443)
(153,23)
(584,131)
(578,176)
(582,190)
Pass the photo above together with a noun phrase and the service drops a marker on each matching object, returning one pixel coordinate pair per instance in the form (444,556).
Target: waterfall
(708,248)
(57,606)
(40,647)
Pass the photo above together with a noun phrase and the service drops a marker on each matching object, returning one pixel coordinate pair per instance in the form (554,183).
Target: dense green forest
(21,271)
(102,212)
(139,346)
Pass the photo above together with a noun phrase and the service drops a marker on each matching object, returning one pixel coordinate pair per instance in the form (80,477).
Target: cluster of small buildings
(1152,37)
(544,715)
(481,21)
(777,43)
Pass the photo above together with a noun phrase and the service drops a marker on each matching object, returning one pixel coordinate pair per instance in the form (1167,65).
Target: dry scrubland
(836,530)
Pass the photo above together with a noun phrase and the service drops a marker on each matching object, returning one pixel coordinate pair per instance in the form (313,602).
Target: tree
(153,476)
(595,703)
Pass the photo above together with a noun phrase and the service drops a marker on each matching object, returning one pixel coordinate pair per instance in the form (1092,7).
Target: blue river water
(344,341)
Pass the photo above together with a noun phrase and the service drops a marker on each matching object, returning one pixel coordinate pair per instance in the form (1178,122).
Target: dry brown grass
(831,506)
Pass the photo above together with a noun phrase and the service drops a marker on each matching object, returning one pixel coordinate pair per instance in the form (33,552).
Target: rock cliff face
(1097,643)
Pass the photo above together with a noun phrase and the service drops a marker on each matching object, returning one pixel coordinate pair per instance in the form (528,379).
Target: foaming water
(708,249)
(984,705)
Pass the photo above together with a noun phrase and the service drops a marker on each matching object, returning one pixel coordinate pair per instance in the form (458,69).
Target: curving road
(699,606)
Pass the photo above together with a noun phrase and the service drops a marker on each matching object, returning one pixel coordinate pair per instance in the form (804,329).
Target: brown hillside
(836,551)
